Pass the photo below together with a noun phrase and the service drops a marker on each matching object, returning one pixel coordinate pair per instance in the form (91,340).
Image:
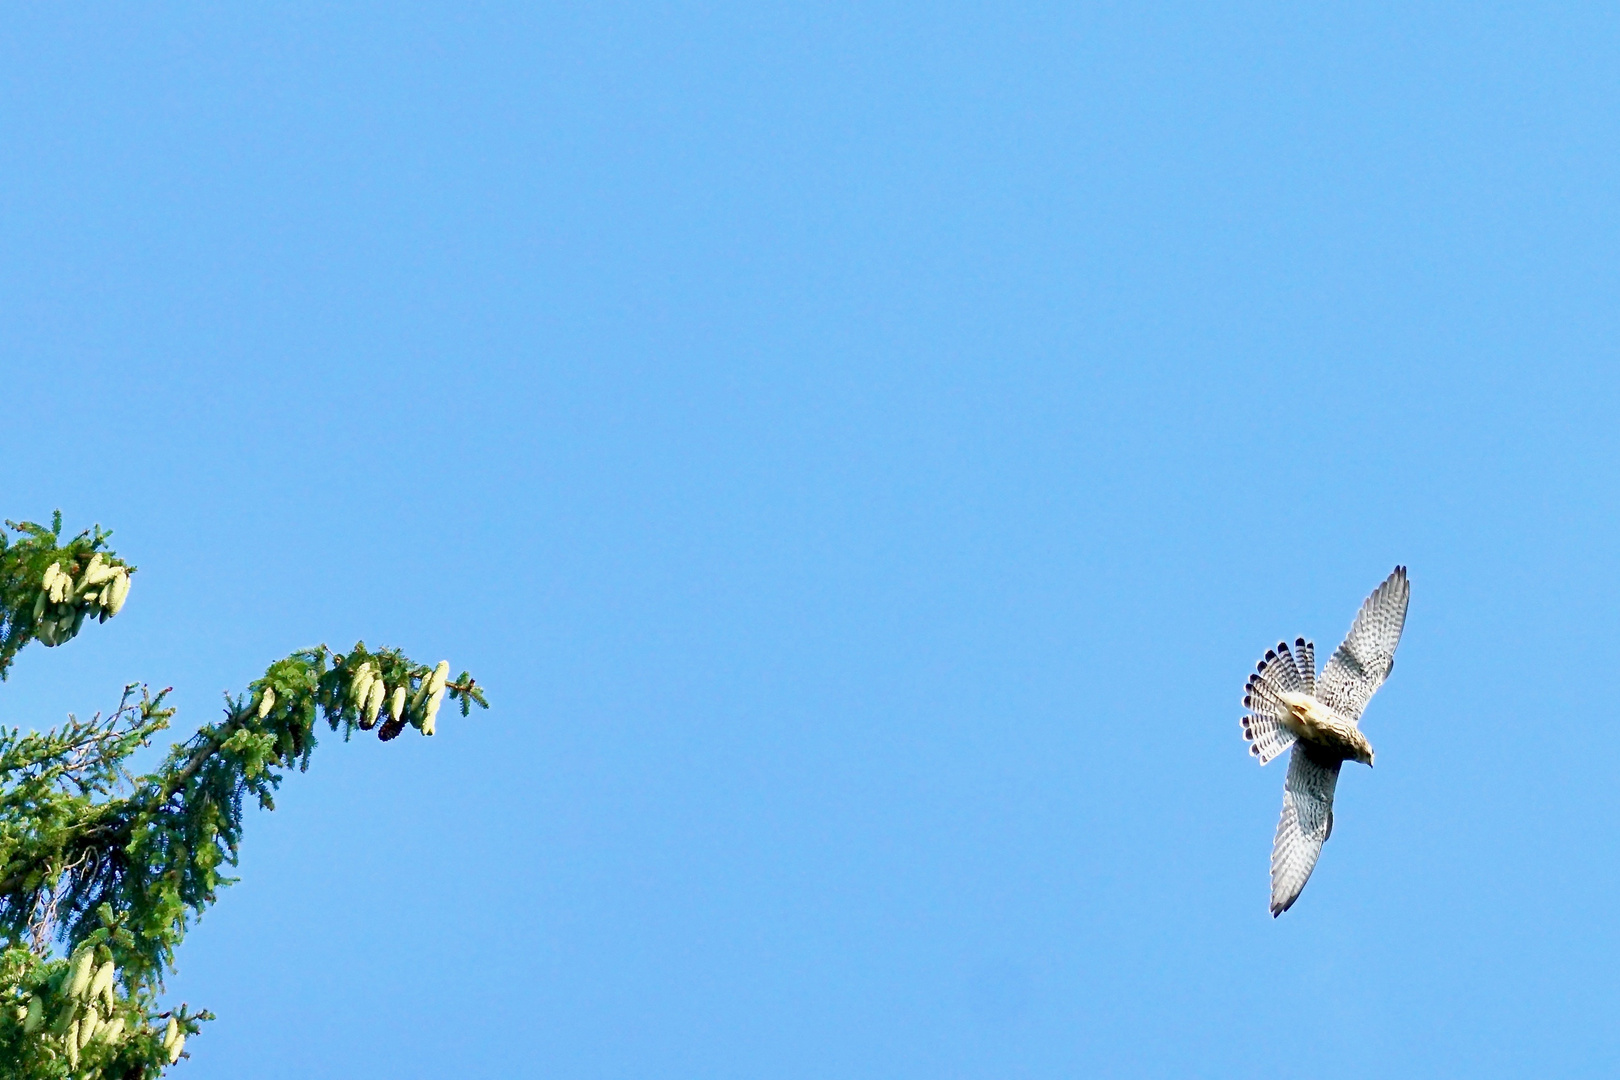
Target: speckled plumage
(1290,706)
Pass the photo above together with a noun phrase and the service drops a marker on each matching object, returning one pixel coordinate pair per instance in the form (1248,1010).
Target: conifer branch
(114,868)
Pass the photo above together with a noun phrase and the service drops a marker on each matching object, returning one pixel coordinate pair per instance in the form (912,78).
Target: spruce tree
(102,870)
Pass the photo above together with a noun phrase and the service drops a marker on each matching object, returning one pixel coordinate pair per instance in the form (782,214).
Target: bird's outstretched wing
(1307,819)
(1360,665)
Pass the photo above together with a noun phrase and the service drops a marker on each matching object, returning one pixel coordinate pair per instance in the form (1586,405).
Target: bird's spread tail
(1278,673)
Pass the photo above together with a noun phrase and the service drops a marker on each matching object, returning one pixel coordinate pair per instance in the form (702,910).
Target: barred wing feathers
(1307,821)
(1359,666)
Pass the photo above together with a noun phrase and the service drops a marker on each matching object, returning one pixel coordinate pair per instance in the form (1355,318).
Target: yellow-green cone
(80,972)
(374,701)
(103,980)
(116,593)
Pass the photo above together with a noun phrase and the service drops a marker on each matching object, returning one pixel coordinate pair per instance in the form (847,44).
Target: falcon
(1290,705)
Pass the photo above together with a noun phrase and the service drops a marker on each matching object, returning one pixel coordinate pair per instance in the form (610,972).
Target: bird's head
(1364,753)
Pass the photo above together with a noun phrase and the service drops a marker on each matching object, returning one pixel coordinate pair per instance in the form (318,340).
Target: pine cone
(102,981)
(81,972)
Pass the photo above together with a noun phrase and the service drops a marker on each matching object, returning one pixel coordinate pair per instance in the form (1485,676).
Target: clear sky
(864,450)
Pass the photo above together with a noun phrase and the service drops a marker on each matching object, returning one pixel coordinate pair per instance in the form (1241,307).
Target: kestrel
(1290,705)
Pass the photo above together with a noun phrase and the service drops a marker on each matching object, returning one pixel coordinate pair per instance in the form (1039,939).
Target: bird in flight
(1290,705)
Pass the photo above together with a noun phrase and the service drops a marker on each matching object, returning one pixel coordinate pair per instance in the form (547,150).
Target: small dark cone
(390,729)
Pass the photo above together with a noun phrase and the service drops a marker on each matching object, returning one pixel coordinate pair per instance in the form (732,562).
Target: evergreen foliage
(102,871)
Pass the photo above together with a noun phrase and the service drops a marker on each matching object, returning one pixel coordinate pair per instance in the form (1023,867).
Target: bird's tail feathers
(1289,670)
(1276,674)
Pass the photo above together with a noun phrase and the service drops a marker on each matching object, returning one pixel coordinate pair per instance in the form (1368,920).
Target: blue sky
(864,451)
